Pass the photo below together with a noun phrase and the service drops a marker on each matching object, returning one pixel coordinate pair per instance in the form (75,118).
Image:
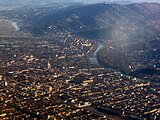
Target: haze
(42,2)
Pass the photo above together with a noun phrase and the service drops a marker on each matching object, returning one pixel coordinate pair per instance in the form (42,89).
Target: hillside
(89,20)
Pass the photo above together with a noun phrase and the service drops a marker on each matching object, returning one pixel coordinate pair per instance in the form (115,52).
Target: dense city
(78,61)
(54,78)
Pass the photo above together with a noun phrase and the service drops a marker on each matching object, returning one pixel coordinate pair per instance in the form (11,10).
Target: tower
(50,90)
(5,83)
(48,66)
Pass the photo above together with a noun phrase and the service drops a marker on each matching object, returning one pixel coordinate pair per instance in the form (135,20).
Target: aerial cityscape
(81,60)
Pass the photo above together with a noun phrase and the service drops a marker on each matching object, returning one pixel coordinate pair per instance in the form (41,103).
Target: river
(14,24)
(93,58)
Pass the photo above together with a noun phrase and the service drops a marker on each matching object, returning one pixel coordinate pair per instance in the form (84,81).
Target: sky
(121,0)
(27,2)
(116,0)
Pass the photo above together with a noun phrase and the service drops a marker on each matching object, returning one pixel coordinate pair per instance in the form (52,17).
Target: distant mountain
(95,19)
(92,20)
(31,2)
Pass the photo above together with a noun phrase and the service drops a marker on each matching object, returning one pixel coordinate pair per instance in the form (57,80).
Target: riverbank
(138,74)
